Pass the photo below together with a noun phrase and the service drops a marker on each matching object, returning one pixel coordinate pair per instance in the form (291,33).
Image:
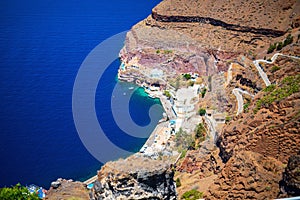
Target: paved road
(238,94)
(167,107)
(211,127)
(229,75)
(262,74)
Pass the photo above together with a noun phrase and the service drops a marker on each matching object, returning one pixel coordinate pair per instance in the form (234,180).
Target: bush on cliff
(187,76)
(288,86)
(288,40)
(272,47)
(203,92)
(202,111)
(200,132)
(192,195)
(275,68)
(167,94)
(279,46)
(178,182)
(184,140)
(17,192)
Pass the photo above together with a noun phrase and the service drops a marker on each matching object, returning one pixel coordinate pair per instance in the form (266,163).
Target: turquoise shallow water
(43,44)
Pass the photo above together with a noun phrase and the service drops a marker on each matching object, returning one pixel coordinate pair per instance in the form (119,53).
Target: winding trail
(211,127)
(238,94)
(262,74)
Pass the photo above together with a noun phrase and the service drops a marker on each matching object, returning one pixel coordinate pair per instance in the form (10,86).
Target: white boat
(151,96)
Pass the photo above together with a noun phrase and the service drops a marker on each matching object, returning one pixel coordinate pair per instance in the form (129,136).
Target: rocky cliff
(67,189)
(262,139)
(135,178)
(202,36)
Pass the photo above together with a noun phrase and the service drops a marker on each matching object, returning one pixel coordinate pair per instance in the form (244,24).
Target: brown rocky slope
(261,141)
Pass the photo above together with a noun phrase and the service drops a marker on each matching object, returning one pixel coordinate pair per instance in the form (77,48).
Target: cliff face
(257,144)
(135,178)
(290,183)
(201,36)
(271,130)
(248,175)
(258,17)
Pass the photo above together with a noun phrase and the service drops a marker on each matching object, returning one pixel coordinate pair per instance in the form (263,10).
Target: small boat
(131,88)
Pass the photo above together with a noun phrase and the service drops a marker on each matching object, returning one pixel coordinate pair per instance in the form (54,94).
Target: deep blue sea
(42,45)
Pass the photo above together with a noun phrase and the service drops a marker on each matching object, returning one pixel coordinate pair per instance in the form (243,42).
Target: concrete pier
(167,107)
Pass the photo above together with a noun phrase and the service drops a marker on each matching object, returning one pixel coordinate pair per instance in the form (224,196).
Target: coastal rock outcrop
(67,189)
(135,178)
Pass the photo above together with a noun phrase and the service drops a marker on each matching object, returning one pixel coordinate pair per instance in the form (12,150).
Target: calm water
(43,44)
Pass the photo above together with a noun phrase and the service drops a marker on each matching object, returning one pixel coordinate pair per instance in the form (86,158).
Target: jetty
(91,180)
(167,107)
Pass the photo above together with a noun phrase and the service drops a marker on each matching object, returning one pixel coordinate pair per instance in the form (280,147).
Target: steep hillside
(266,134)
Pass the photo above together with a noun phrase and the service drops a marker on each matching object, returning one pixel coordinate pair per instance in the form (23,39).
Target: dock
(167,107)
(91,180)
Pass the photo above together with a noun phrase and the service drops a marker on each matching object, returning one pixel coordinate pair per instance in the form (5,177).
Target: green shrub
(202,111)
(279,46)
(168,51)
(167,94)
(17,192)
(187,76)
(269,88)
(275,68)
(288,40)
(246,106)
(268,188)
(203,92)
(157,51)
(184,140)
(192,195)
(183,153)
(272,47)
(178,183)
(227,119)
(288,86)
(200,132)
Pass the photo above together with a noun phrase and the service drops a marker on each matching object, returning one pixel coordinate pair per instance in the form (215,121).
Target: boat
(131,88)
(151,96)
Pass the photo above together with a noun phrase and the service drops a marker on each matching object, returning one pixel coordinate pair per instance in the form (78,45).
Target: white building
(186,98)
